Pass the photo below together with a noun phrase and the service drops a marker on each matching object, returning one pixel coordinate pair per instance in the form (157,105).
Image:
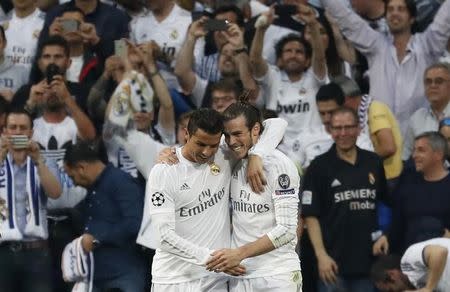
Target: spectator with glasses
(437,90)
(341,191)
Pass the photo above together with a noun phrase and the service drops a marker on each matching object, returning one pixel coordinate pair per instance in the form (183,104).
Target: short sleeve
(311,191)
(413,264)
(378,117)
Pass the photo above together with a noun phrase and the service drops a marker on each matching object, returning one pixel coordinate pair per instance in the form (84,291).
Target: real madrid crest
(36,33)
(302,91)
(121,106)
(371,178)
(174,34)
(214,168)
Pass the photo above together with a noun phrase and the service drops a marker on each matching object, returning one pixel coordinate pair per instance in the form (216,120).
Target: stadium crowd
(224,145)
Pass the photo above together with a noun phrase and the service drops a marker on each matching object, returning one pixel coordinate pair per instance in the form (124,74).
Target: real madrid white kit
(273,213)
(186,216)
(22,36)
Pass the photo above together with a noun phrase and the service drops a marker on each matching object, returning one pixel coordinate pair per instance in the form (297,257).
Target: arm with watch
(235,37)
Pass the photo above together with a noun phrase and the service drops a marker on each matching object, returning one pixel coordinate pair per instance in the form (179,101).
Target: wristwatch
(95,243)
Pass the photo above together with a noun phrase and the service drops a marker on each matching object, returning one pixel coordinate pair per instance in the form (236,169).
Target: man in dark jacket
(112,215)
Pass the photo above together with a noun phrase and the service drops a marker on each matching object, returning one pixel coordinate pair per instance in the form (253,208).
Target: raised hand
(197,29)
(234,36)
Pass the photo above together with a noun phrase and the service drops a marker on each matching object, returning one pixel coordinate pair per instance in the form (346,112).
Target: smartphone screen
(120,48)
(216,25)
(70,25)
(19,141)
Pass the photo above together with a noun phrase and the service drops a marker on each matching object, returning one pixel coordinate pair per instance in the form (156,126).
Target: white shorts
(289,282)
(205,284)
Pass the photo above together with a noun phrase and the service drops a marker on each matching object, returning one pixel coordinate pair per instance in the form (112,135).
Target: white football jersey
(310,143)
(120,158)
(169,34)
(255,215)
(293,101)
(138,152)
(414,267)
(196,198)
(53,139)
(12,77)
(22,36)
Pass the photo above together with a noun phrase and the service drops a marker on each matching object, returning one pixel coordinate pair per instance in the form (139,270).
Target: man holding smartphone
(290,87)
(24,182)
(85,57)
(233,62)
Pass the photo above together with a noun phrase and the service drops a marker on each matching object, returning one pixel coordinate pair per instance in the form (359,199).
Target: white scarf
(78,266)
(133,94)
(36,225)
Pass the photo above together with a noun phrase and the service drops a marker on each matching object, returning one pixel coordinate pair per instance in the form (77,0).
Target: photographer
(62,123)
(233,63)
(54,50)
(25,264)
(86,59)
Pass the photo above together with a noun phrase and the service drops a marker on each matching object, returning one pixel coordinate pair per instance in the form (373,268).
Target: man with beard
(264,225)
(291,87)
(62,121)
(233,64)
(31,96)
(398,58)
(194,193)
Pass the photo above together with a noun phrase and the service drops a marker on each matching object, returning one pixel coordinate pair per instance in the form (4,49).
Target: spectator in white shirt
(398,58)
(437,89)
(423,267)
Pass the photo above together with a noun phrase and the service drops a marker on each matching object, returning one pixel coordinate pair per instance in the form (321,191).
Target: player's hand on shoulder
(167,156)
(255,173)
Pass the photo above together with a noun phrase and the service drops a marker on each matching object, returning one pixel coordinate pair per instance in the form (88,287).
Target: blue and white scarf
(36,225)
(78,266)
(363,110)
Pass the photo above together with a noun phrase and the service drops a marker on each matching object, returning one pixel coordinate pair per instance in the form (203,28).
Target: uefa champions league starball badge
(215,169)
